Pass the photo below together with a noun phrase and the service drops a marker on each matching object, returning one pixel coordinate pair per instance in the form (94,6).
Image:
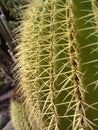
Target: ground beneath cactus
(5,97)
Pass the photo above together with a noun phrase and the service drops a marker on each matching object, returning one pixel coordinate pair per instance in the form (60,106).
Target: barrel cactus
(57,66)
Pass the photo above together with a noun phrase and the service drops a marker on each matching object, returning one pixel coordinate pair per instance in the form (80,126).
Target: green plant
(57,67)
(11,9)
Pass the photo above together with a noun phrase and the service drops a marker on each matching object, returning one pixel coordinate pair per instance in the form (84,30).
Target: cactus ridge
(26,70)
(52,68)
(87,27)
(95,7)
(79,115)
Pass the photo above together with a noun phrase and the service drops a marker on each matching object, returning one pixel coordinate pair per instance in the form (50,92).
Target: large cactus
(57,62)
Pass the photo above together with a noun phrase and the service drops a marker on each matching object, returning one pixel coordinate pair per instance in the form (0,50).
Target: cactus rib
(79,115)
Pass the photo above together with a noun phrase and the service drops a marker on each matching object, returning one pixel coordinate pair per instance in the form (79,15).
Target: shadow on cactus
(57,67)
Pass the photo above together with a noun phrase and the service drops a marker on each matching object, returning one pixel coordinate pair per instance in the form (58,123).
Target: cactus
(56,63)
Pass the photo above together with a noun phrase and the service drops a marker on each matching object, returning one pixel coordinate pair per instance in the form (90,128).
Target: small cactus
(56,63)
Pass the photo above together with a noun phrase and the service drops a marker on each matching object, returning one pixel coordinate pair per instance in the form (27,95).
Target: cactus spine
(56,64)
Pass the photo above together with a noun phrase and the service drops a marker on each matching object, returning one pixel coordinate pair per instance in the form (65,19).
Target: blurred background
(9,21)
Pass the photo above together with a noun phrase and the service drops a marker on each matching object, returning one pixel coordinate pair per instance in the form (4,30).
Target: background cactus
(56,63)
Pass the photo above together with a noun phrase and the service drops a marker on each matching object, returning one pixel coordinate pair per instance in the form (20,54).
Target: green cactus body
(88,55)
(57,67)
